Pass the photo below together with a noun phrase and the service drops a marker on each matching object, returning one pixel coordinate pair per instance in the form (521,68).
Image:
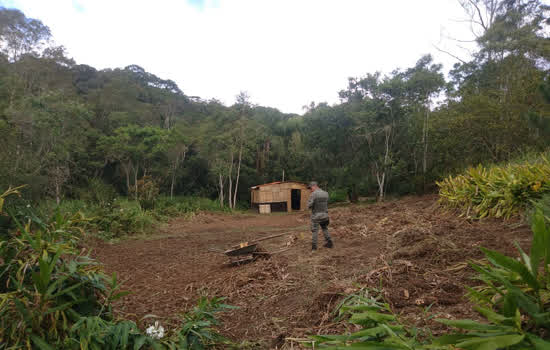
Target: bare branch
(480,16)
(465,21)
(459,40)
(469,51)
(448,53)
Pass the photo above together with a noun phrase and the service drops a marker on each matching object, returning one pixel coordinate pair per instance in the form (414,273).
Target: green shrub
(6,221)
(381,329)
(46,285)
(543,205)
(122,218)
(52,297)
(146,192)
(182,205)
(515,299)
(196,331)
(498,191)
(98,193)
(115,219)
(338,196)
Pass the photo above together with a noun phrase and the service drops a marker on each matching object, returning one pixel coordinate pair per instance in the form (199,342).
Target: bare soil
(411,249)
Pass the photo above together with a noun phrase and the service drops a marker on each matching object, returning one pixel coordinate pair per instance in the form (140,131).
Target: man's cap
(312,183)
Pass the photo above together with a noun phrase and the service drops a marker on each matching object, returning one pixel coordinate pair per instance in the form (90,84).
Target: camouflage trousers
(315,229)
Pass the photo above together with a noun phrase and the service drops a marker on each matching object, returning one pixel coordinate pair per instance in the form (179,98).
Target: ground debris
(410,249)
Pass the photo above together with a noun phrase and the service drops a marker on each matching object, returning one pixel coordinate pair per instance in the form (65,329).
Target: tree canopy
(65,123)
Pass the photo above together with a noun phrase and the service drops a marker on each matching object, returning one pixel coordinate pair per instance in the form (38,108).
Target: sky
(283,53)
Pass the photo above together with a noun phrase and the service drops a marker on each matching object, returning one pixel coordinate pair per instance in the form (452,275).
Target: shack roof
(278,183)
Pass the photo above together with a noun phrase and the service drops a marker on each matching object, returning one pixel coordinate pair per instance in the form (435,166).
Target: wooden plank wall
(265,208)
(280,193)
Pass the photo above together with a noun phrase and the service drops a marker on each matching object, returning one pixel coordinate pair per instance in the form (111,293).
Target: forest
(123,198)
(65,124)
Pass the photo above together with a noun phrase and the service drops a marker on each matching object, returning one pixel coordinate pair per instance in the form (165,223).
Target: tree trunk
(381,171)
(425,151)
(230,180)
(57,190)
(172,183)
(221,190)
(258,158)
(136,169)
(238,175)
(380,179)
(180,158)
(17,158)
(126,168)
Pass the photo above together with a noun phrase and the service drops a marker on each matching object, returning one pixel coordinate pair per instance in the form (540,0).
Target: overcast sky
(285,54)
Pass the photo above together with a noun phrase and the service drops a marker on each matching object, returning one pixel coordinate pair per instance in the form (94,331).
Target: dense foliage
(52,296)
(514,300)
(498,191)
(68,126)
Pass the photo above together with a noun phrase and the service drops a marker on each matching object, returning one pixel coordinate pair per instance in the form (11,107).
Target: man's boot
(329,244)
(313,247)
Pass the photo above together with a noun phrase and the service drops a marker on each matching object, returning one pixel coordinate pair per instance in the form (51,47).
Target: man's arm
(310,201)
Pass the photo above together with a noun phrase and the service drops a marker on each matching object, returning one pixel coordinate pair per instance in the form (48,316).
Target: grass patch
(120,216)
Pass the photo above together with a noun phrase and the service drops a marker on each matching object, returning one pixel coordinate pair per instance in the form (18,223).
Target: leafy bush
(47,286)
(183,205)
(498,191)
(53,297)
(196,331)
(121,218)
(98,193)
(146,192)
(5,219)
(543,205)
(112,220)
(381,328)
(514,300)
(338,196)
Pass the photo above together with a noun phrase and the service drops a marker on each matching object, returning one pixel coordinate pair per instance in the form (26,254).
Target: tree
(20,35)
(243,107)
(422,83)
(176,150)
(134,148)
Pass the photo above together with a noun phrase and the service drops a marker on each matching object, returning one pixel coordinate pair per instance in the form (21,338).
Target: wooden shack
(280,196)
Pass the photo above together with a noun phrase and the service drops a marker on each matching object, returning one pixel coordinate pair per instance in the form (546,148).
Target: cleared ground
(411,248)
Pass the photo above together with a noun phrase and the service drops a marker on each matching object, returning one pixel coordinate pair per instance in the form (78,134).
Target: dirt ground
(411,249)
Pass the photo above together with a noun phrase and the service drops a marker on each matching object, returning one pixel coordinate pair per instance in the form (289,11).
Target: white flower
(156,331)
(28,205)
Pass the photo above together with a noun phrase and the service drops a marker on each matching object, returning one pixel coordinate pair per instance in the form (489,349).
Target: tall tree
(20,35)
(176,150)
(243,110)
(423,82)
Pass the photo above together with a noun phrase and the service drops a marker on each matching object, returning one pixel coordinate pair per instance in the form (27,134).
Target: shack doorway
(296,199)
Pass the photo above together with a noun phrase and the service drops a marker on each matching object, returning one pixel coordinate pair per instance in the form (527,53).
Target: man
(318,203)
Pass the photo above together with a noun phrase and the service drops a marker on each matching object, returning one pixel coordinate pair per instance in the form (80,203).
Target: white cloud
(285,53)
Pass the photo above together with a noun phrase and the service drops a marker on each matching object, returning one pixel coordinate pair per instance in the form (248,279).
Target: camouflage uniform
(318,203)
